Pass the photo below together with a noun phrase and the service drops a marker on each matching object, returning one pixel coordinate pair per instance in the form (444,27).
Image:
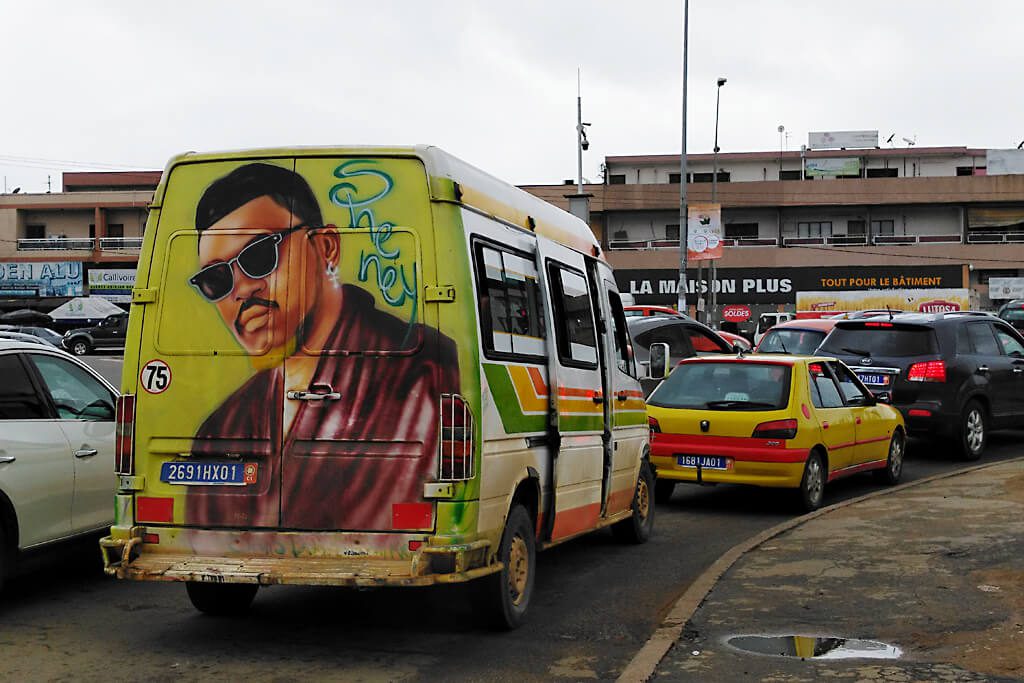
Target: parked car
(954,376)
(43,334)
(685,338)
(109,334)
(766,321)
(18,336)
(735,340)
(642,311)
(777,421)
(797,337)
(1013,313)
(56,451)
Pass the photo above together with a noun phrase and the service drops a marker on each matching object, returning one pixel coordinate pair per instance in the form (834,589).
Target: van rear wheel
(221,599)
(504,597)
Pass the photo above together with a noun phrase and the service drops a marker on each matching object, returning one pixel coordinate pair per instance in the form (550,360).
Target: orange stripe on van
(575,520)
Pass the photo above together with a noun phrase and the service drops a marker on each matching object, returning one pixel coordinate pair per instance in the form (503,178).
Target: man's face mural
(264,271)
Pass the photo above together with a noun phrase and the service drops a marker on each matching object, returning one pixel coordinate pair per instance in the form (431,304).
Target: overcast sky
(124,85)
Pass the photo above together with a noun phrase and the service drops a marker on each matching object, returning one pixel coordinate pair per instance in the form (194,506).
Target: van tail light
(653,425)
(124,435)
(456,445)
(928,371)
(776,429)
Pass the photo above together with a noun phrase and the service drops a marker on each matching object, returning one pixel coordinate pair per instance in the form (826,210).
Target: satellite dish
(909,141)
(782,128)
(16,190)
(890,138)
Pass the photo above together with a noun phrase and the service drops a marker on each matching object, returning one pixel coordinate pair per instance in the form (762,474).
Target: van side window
(511,318)
(623,350)
(574,318)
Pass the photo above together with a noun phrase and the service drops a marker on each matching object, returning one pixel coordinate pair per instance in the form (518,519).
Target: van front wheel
(504,596)
(221,599)
(640,525)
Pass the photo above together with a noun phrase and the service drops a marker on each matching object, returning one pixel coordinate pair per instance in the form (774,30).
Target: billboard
(916,300)
(41,278)
(1004,161)
(1005,288)
(843,139)
(656,286)
(822,168)
(703,231)
(113,284)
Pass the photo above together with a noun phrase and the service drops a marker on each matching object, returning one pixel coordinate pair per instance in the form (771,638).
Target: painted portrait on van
(353,404)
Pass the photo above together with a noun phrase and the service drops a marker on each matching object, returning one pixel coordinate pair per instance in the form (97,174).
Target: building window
(115,229)
(620,235)
(35,232)
(882,227)
(855,228)
(672,232)
(674,178)
(819,228)
(985,275)
(971,170)
(736,231)
(617,179)
(883,173)
(723,177)
(789,175)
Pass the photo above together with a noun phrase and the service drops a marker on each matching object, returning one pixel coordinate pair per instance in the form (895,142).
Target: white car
(56,450)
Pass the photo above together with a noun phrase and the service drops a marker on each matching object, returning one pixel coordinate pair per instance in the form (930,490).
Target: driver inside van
(270,267)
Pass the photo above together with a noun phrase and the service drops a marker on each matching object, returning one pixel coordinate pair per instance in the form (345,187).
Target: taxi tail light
(456,444)
(928,371)
(653,425)
(776,429)
(124,436)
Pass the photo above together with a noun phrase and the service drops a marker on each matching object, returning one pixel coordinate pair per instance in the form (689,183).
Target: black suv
(952,375)
(109,334)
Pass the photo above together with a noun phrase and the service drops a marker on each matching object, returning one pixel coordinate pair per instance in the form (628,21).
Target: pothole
(814,647)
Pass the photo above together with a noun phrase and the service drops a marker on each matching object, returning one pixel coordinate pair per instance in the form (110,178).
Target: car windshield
(881,341)
(724,386)
(1013,314)
(800,342)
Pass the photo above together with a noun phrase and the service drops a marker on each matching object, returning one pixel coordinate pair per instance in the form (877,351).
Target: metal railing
(674,244)
(120,243)
(56,244)
(995,237)
(882,240)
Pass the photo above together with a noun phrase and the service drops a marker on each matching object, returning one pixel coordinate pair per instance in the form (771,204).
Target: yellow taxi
(778,421)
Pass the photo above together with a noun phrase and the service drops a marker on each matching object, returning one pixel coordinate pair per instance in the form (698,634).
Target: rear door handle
(983,369)
(85,452)
(4,459)
(1017,371)
(313,396)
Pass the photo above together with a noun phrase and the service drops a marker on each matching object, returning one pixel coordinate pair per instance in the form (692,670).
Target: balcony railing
(79,244)
(120,243)
(995,237)
(56,244)
(882,240)
(674,244)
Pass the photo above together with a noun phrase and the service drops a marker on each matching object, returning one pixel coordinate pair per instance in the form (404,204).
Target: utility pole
(683,227)
(713,269)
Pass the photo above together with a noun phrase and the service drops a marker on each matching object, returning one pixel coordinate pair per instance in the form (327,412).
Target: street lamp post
(714,199)
(683,228)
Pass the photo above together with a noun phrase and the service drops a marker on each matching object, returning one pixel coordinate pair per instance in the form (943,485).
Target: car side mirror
(736,348)
(658,367)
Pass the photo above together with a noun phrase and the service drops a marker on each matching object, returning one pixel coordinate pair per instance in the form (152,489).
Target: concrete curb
(645,662)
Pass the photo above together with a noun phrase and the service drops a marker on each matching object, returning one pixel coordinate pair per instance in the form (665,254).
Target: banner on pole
(703,231)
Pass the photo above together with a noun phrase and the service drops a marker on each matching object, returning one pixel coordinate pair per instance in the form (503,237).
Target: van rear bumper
(130,558)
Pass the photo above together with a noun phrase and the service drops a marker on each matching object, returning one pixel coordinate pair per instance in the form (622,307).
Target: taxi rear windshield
(800,342)
(725,386)
(881,341)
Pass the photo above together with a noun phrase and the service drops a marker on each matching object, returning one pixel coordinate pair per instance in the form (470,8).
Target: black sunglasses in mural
(257,259)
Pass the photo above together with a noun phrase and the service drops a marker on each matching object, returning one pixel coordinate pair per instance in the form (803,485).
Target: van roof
(476,188)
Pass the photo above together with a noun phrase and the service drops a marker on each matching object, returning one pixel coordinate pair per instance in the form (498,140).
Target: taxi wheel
(221,599)
(973,431)
(894,463)
(504,596)
(640,525)
(812,486)
(663,490)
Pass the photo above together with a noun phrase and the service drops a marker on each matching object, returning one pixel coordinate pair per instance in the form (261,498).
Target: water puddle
(813,647)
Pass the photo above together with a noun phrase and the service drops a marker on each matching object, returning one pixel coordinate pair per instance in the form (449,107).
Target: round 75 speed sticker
(155,376)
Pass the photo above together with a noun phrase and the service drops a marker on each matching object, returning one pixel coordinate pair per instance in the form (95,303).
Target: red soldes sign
(736,313)
(938,306)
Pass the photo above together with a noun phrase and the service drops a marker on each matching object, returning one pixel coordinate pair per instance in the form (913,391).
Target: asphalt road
(595,603)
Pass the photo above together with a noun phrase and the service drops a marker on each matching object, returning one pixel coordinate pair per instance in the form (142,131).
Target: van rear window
(881,341)
(725,386)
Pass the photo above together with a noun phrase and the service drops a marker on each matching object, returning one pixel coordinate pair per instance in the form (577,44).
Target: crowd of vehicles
(359,406)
